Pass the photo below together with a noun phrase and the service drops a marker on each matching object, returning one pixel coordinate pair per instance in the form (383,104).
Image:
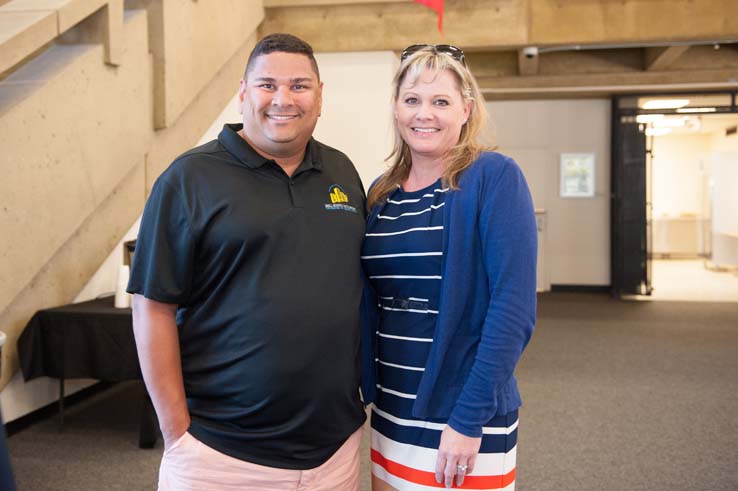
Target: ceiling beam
(604,84)
(344,25)
(662,58)
(602,71)
(631,21)
(396,25)
(310,3)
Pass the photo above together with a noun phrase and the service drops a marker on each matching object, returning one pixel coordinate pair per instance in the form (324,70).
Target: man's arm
(157,343)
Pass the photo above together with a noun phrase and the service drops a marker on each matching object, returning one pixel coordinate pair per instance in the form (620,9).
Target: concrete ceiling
(584,47)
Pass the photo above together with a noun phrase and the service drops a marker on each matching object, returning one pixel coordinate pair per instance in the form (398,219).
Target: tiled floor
(688,280)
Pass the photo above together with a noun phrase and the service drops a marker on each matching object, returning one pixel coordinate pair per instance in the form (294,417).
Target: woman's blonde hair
(461,155)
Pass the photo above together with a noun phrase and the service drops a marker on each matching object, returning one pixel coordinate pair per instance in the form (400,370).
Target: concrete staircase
(96,98)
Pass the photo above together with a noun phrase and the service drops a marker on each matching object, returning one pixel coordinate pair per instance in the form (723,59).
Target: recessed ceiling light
(648,118)
(696,110)
(665,103)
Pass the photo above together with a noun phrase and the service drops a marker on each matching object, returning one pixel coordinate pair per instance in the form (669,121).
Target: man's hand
(457,455)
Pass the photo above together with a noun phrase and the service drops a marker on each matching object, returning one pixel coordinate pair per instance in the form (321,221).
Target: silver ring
(461,469)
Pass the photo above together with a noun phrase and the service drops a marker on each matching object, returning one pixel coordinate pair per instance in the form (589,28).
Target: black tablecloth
(82,340)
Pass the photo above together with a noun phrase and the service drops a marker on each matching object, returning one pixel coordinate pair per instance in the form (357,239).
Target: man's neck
(288,163)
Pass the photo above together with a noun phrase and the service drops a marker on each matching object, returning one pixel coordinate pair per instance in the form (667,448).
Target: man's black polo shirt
(266,271)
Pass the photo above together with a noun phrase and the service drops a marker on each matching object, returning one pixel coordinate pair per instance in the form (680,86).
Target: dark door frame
(620,181)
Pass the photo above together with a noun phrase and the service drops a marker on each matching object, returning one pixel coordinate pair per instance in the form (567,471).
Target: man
(247,285)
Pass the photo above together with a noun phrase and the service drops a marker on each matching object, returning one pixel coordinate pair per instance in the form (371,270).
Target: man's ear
(241,95)
(320,98)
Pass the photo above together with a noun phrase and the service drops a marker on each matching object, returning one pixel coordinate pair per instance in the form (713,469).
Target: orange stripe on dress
(426,478)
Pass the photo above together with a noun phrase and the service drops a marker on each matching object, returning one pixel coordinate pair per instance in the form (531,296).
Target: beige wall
(195,39)
(724,161)
(680,170)
(63,159)
(72,139)
(725,198)
(694,201)
(535,133)
(680,192)
(356,107)
(721,143)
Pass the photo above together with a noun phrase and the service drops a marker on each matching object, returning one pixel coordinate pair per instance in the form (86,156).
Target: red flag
(436,5)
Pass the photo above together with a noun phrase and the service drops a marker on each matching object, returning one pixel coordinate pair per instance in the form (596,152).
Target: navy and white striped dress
(403,255)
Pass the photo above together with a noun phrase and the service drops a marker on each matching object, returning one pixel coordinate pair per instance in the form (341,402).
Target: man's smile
(281,117)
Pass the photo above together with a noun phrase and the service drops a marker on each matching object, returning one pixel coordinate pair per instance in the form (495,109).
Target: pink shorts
(189,464)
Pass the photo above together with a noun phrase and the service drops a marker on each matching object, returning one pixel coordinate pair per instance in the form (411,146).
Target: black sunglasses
(445,49)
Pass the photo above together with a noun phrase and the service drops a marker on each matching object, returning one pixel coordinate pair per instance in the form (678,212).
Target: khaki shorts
(189,464)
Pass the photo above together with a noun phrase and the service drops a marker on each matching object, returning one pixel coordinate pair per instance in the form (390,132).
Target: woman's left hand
(457,455)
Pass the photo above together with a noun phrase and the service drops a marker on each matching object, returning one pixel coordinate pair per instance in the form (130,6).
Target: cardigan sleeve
(369,324)
(507,229)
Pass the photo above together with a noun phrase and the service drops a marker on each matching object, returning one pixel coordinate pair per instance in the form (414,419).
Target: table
(85,340)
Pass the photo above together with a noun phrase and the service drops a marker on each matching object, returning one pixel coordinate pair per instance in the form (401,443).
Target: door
(630,274)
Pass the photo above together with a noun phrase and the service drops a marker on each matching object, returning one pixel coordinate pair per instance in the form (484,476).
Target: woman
(450,254)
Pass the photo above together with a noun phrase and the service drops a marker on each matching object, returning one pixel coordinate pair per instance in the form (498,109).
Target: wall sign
(577,175)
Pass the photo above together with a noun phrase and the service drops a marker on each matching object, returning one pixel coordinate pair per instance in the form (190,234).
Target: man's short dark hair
(281,43)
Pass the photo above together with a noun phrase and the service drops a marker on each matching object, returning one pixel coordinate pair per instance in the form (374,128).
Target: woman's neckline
(421,191)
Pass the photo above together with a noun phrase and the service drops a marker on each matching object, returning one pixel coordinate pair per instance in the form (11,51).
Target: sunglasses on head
(446,49)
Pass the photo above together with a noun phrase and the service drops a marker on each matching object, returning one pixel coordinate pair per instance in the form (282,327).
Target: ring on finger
(461,469)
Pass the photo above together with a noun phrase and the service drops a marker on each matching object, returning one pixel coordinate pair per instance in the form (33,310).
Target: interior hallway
(618,395)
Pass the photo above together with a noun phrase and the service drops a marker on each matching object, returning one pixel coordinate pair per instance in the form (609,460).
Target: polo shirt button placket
(290,188)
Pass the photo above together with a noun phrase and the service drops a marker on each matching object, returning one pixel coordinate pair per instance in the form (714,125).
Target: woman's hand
(455,452)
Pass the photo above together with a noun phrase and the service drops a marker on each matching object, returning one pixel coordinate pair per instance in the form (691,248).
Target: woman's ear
(468,110)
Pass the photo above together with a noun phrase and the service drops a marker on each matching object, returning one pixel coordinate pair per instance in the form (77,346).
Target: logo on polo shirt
(338,197)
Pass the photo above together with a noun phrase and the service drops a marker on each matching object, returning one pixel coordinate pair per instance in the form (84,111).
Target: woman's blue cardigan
(487,305)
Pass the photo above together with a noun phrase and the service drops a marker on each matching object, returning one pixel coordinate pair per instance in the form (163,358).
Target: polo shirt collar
(240,148)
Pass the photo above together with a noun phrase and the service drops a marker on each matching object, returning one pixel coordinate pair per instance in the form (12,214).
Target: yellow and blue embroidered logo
(337,195)
(338,200)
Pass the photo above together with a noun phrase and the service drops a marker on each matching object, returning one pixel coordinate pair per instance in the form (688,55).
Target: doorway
(674,210)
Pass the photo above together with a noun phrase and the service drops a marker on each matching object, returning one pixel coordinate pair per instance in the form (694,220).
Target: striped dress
(403,254)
